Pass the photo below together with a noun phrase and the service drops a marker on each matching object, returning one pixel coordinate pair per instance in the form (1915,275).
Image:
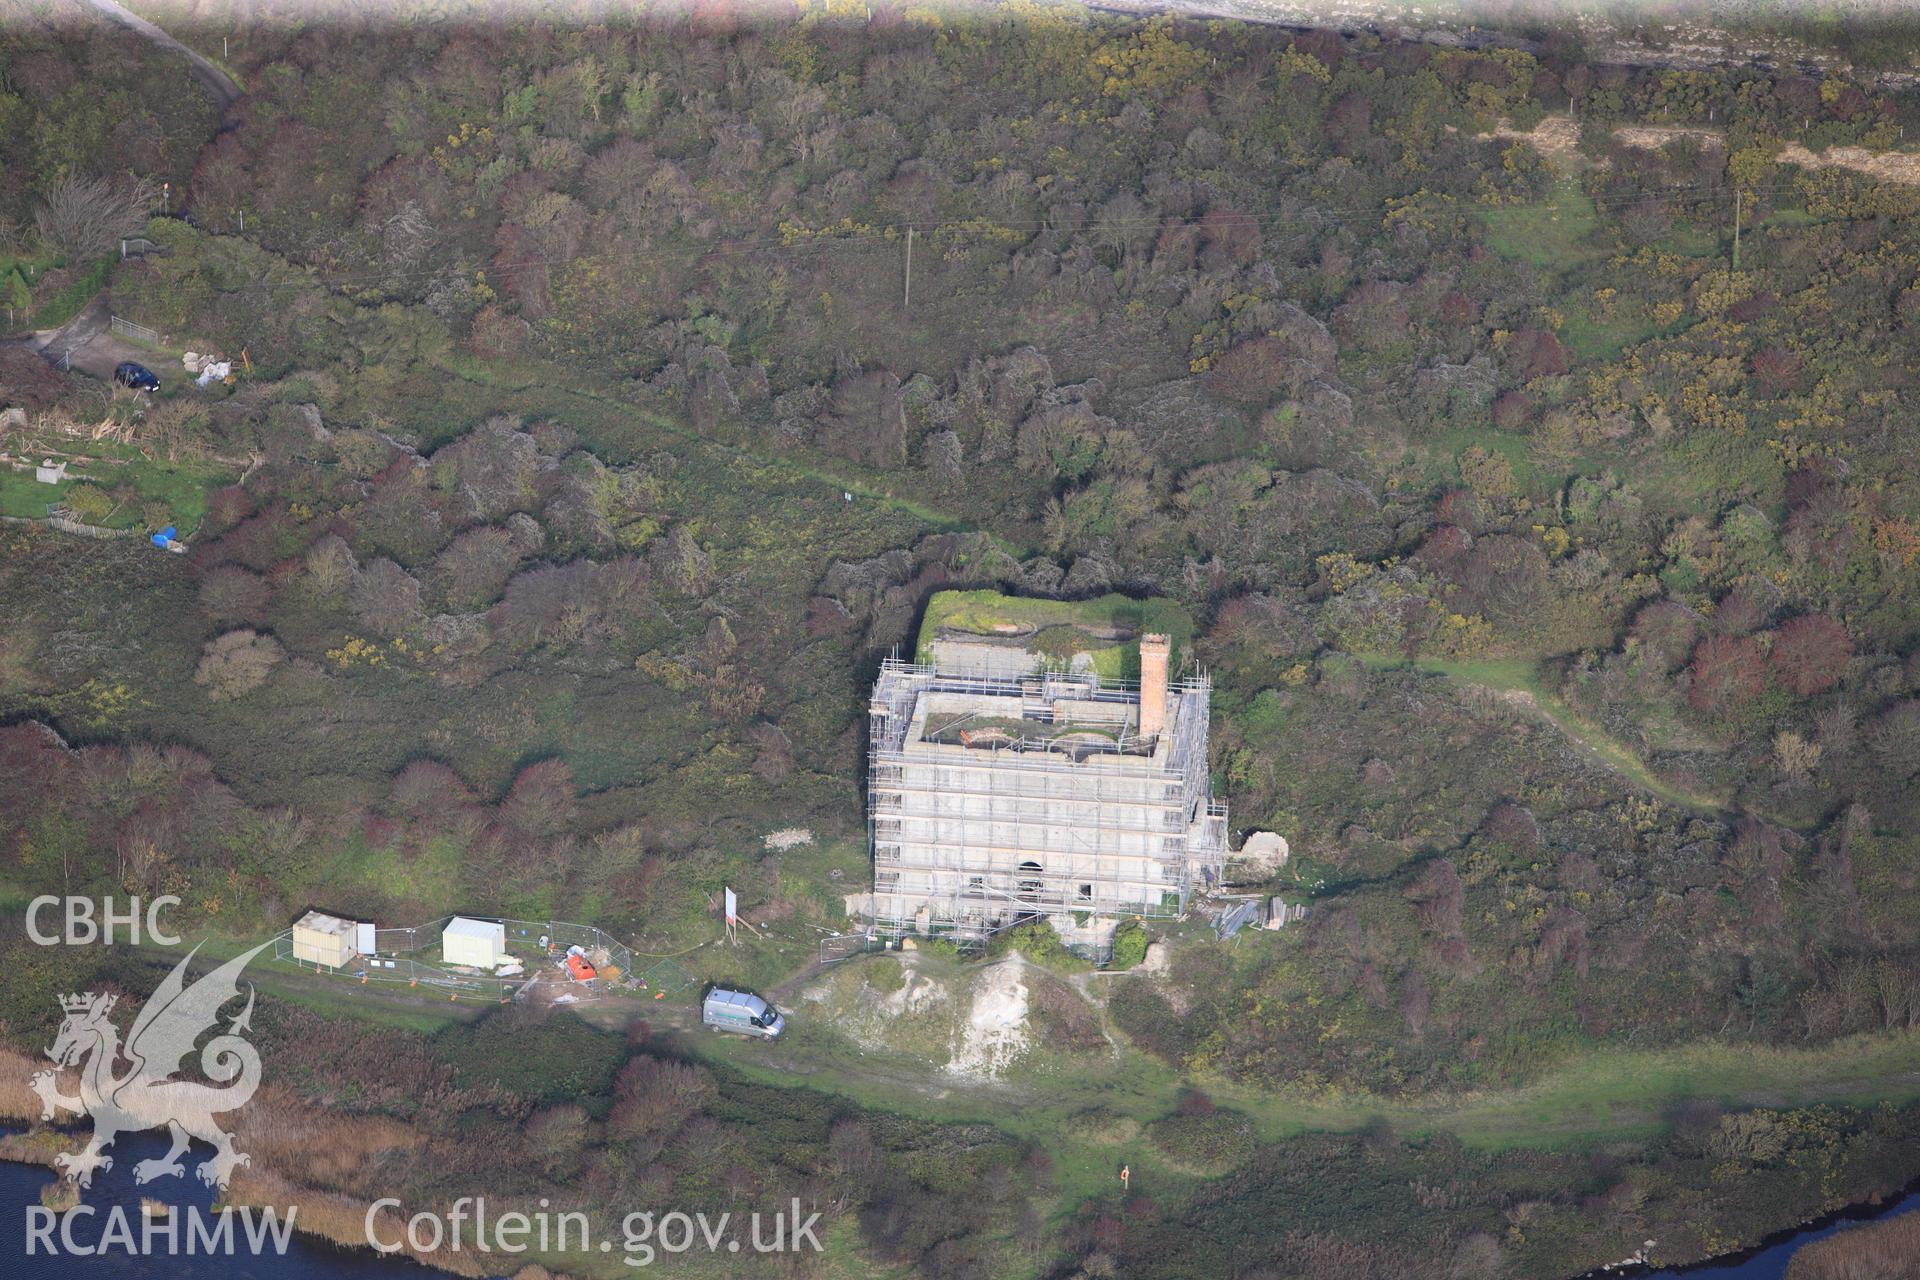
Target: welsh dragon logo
(145,1096)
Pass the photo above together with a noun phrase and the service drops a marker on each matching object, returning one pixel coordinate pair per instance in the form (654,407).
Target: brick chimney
(1153,684)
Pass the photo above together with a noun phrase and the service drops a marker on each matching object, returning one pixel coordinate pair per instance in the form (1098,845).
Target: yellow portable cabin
(319,938)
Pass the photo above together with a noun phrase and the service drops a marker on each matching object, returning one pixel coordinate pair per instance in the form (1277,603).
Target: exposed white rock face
(995,1034)
(1264,853)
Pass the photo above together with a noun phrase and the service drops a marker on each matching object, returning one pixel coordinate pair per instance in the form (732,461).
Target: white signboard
(733,909)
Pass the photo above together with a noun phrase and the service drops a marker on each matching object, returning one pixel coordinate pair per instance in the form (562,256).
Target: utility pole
(1736,228)
(906,299)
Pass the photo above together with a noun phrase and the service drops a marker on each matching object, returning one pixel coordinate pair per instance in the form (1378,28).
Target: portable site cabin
(319,938)
(480,943)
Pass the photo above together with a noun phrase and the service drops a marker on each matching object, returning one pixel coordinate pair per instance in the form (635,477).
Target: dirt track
(87,343)
(1557,137)
(218,84)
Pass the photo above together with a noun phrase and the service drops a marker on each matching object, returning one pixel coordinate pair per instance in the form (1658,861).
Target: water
(306,1258)
(1769,1262)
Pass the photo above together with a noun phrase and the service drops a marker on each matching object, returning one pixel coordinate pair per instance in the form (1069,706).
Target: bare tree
(86,217)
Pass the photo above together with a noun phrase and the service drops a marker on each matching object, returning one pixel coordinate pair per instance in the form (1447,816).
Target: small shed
(480,943)
(319,938)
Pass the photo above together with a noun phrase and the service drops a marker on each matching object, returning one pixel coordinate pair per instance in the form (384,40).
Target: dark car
(137,376)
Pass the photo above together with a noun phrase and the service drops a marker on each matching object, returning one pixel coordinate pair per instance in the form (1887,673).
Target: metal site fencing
(396,958)
(845,946)
(127,328)
(407,972)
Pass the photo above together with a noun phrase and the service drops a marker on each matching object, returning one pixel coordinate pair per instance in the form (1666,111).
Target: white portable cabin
(480,943)
(319,938)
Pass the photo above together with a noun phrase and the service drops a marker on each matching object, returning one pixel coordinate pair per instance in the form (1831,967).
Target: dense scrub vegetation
(593,454)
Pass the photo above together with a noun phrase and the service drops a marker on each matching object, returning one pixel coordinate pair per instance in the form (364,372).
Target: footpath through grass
(1520,677)
(842,480)
(1074,1109)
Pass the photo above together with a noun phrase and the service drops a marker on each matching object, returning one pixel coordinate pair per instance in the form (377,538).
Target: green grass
(844,478)
(1593,1098)
(1444,450)
(181,484)
(1553,233)
(1598,340)
(1518,675)
(24,497)
(1792,218)
(433,876)
(67,303)
(1061,625)
(330,996)
(1690,240)
(30,268)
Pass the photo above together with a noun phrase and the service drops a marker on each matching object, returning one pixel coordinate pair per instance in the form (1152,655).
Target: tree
(1665,632)
(1536,353)
(1511,411)
(1895,738)
(17,297)
(540,804)
(236,663)
(1374,316)
(231,594)
(474,569)
(331,566)
(1778,370)
(1349,122)
(1810,654)
(428,791)
(653,1097)
(86,218)
(1794,756)
(385,597)
(1254,372)
(1726,671)
(557,1139)
(89,502)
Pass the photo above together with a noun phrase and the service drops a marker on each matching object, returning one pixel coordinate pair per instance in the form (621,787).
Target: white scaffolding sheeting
(969,838)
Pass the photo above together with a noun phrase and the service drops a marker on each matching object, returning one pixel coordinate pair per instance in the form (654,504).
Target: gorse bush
(1129,945)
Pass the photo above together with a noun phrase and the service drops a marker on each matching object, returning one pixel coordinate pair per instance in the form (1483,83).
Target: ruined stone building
(995,796)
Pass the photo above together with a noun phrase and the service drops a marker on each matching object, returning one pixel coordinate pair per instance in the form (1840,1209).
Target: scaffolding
(1085,820)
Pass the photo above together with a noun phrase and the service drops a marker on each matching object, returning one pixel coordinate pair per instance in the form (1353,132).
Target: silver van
(739,1011)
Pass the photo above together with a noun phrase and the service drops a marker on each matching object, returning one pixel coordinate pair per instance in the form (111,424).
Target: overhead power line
(1306,217)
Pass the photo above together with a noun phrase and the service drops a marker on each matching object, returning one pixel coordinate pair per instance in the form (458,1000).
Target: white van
(739,1011)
